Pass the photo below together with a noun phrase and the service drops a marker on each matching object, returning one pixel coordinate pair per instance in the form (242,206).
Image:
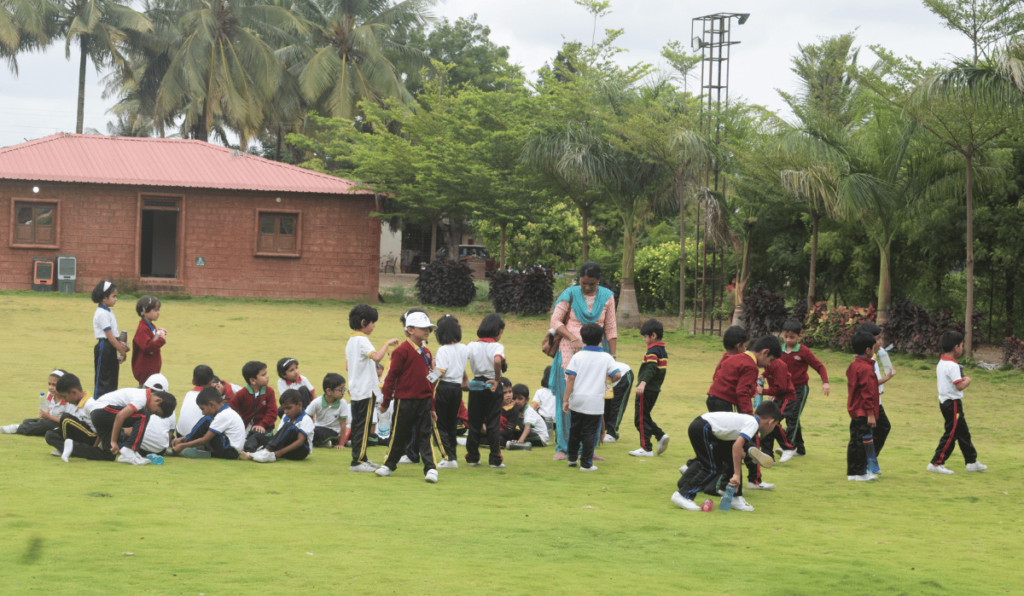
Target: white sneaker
(372,465)
(55,453)
(130,457)
(405,460)
(572,463)
(786,456)
(264,457)
(460,441)
(363,467)
(431,476)
(68,446)
(641,453)
(448,465)
(475,464)
(862,477)
(761,457)
(498,466)
(740,504)
(940,469)
(761,486)
(9,429)
(592,468)
(609,439)
(662,444)
(976,467)
(383,471)
(683,503)
(683,468)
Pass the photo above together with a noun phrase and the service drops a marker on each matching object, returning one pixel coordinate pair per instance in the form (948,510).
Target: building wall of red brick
(99,224)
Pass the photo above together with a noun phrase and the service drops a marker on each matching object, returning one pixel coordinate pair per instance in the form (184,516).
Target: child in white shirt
(486,362)
(110,351)
(544,400)
(450,363)
(49,414)
(362,381)
(585,388)
(330,413)
(288,371)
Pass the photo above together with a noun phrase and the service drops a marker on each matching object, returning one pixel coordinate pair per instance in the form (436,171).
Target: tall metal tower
(714,41)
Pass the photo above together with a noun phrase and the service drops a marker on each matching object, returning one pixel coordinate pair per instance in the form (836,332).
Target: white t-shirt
(729,426)
(84,413)
(229,424)
(329,416)
(623,369)
(362,370)
(156,439)
(949,373)
(546,399)
(283,385)
(591,366)
(102,320)
(481,358)
(189,414)
(536,423)
(452,360)
(123,398)
(305,425)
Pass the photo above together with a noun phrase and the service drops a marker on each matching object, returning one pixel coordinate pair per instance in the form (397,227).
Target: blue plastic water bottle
(730,492)
(475,385)
(869,448)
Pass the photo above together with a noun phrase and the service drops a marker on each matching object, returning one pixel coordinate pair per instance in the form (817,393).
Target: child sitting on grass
(202,377)
(219,433)
(862,405)
(293,439)
(952,383)
(330,413)
(544,400)
(255,403)
(584,390)
(76,422)
(148,340)
(533,429)
(719,440)
(49,415)
(288,371)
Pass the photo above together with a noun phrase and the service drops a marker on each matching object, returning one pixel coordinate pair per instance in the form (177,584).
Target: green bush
(656,276)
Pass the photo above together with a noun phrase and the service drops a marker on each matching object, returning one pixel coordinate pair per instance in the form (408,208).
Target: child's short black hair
(947,342)
(861,342)
(769,409)
(448,330)
(590,269)
(67,383)
(252,369)
(505,383)
(653,327)
(793,326)
(360,313)
(770,343)
(734,336)
(284,364)
(167,404)
(591,334)
(289,397)
(546,379)
(202,375)
(871,328)
(207,395)
(146,304)
(491,327)
(103,290)
(333,381)
(521,390)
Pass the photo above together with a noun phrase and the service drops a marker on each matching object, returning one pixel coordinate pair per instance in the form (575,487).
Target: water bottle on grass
(730,492)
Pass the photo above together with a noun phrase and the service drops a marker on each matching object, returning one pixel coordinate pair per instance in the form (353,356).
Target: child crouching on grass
(119,409)
(330,413)
(584,389)
(49,415)
(219,433)
(293,439)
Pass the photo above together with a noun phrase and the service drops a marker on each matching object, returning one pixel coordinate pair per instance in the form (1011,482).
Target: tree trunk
(814,260)
(969,315)
(884,283)
(628,314)
(585,216)
(501,260)
(83,46)
(1009,297)
(741,283)
(277,144)
(682,260)
(433,240)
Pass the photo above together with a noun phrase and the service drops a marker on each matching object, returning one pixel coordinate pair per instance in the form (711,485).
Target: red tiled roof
(175,163)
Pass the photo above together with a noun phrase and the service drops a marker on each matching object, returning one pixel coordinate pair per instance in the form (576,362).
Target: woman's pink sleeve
(558,316)
(611,330)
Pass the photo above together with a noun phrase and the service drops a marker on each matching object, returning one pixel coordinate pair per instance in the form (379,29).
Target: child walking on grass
(862,405)
(148,340)
(649,380)
(951,383)
(885,371)
(798,358)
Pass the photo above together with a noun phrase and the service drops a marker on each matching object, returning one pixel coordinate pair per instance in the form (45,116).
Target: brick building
(184,216)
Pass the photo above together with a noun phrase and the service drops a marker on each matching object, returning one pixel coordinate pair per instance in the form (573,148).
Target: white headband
(289,361)
(57,373)
(106,286)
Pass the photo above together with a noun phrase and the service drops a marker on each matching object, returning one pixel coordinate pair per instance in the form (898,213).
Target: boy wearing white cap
(409,383)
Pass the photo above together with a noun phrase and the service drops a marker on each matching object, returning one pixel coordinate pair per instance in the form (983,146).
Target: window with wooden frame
(35,223)
(278,233)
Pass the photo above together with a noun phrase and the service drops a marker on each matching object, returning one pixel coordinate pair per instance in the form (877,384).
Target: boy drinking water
(952,383)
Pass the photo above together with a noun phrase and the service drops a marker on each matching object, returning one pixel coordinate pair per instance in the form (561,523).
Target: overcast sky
(41,100)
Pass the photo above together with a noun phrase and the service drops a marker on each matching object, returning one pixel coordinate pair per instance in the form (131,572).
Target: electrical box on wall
(42,275)
(67,273)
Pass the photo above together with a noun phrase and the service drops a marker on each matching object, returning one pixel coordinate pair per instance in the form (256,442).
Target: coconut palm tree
(23,25)
(343,60)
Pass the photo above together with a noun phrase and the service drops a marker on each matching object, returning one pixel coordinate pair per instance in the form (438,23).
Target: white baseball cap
(158,382)
(418,319)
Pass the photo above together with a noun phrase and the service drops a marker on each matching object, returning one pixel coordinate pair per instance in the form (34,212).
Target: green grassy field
(215,527)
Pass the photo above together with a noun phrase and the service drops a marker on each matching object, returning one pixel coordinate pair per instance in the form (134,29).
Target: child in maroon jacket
(862,404)
(255,402)
(779,386)
(148,340)
(798,358)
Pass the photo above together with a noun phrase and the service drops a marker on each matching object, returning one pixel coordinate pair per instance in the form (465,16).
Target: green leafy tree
(23,25)
(985,23)
(465,46)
